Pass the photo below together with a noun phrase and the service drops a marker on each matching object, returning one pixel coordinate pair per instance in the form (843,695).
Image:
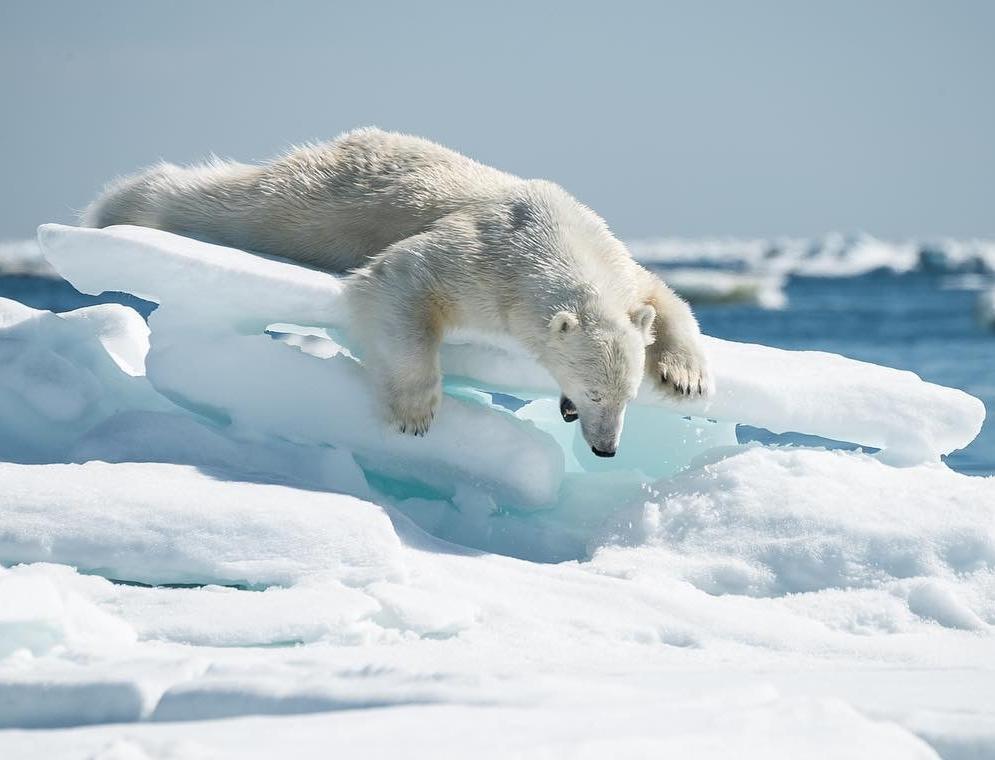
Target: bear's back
(352,197)
(411,171)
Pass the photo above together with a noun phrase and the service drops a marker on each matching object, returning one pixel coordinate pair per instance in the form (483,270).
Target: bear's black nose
(567,410)
(600,453)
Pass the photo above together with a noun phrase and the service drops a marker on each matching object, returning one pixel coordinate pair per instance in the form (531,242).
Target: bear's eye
(595,397)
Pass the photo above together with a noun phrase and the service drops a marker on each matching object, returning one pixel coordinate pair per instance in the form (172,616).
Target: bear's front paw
(682,373)
(413,415)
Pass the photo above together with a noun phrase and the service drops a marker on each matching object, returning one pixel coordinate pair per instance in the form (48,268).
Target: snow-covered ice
(60,374)
(209,548)
(215,304)
(889,622)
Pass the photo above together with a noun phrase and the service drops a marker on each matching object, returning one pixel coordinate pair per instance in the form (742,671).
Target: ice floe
(20,258)
(713,286)
(215,304)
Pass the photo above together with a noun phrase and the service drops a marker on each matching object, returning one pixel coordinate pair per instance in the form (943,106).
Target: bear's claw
(414,426)
(683,374)
(413,420)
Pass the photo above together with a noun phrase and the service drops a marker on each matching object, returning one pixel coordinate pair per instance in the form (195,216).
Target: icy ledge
(209,353)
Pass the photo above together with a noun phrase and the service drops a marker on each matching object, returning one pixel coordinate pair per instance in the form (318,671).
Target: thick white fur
(435,240)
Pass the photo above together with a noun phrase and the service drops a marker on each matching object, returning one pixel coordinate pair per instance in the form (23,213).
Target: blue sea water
(910,321)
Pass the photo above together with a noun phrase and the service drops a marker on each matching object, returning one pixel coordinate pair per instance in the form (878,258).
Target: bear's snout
(567,410)
(598,452)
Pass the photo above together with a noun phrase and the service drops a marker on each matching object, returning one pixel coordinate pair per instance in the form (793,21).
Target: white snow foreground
(255,565)
(677,635)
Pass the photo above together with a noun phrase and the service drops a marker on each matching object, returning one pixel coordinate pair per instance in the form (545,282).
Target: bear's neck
(531,326)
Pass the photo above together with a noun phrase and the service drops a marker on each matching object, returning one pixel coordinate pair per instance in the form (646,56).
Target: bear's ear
(562,323)
(643,318)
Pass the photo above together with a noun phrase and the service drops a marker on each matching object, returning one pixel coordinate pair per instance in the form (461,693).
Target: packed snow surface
(210,548)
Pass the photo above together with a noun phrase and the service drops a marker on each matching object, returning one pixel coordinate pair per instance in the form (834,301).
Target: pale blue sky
(690,118)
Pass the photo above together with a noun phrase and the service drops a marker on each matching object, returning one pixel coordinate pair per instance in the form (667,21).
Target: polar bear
(433,240)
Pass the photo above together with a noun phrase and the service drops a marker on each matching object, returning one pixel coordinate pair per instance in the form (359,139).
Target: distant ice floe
(23,257)
(712,286)
(986,309)
(831,256)
(968,282)
(202,518)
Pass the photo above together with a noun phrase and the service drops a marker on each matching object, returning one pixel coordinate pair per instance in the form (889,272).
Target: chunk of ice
(215,302)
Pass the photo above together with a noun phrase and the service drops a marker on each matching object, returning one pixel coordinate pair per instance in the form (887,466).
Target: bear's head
(598,361)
